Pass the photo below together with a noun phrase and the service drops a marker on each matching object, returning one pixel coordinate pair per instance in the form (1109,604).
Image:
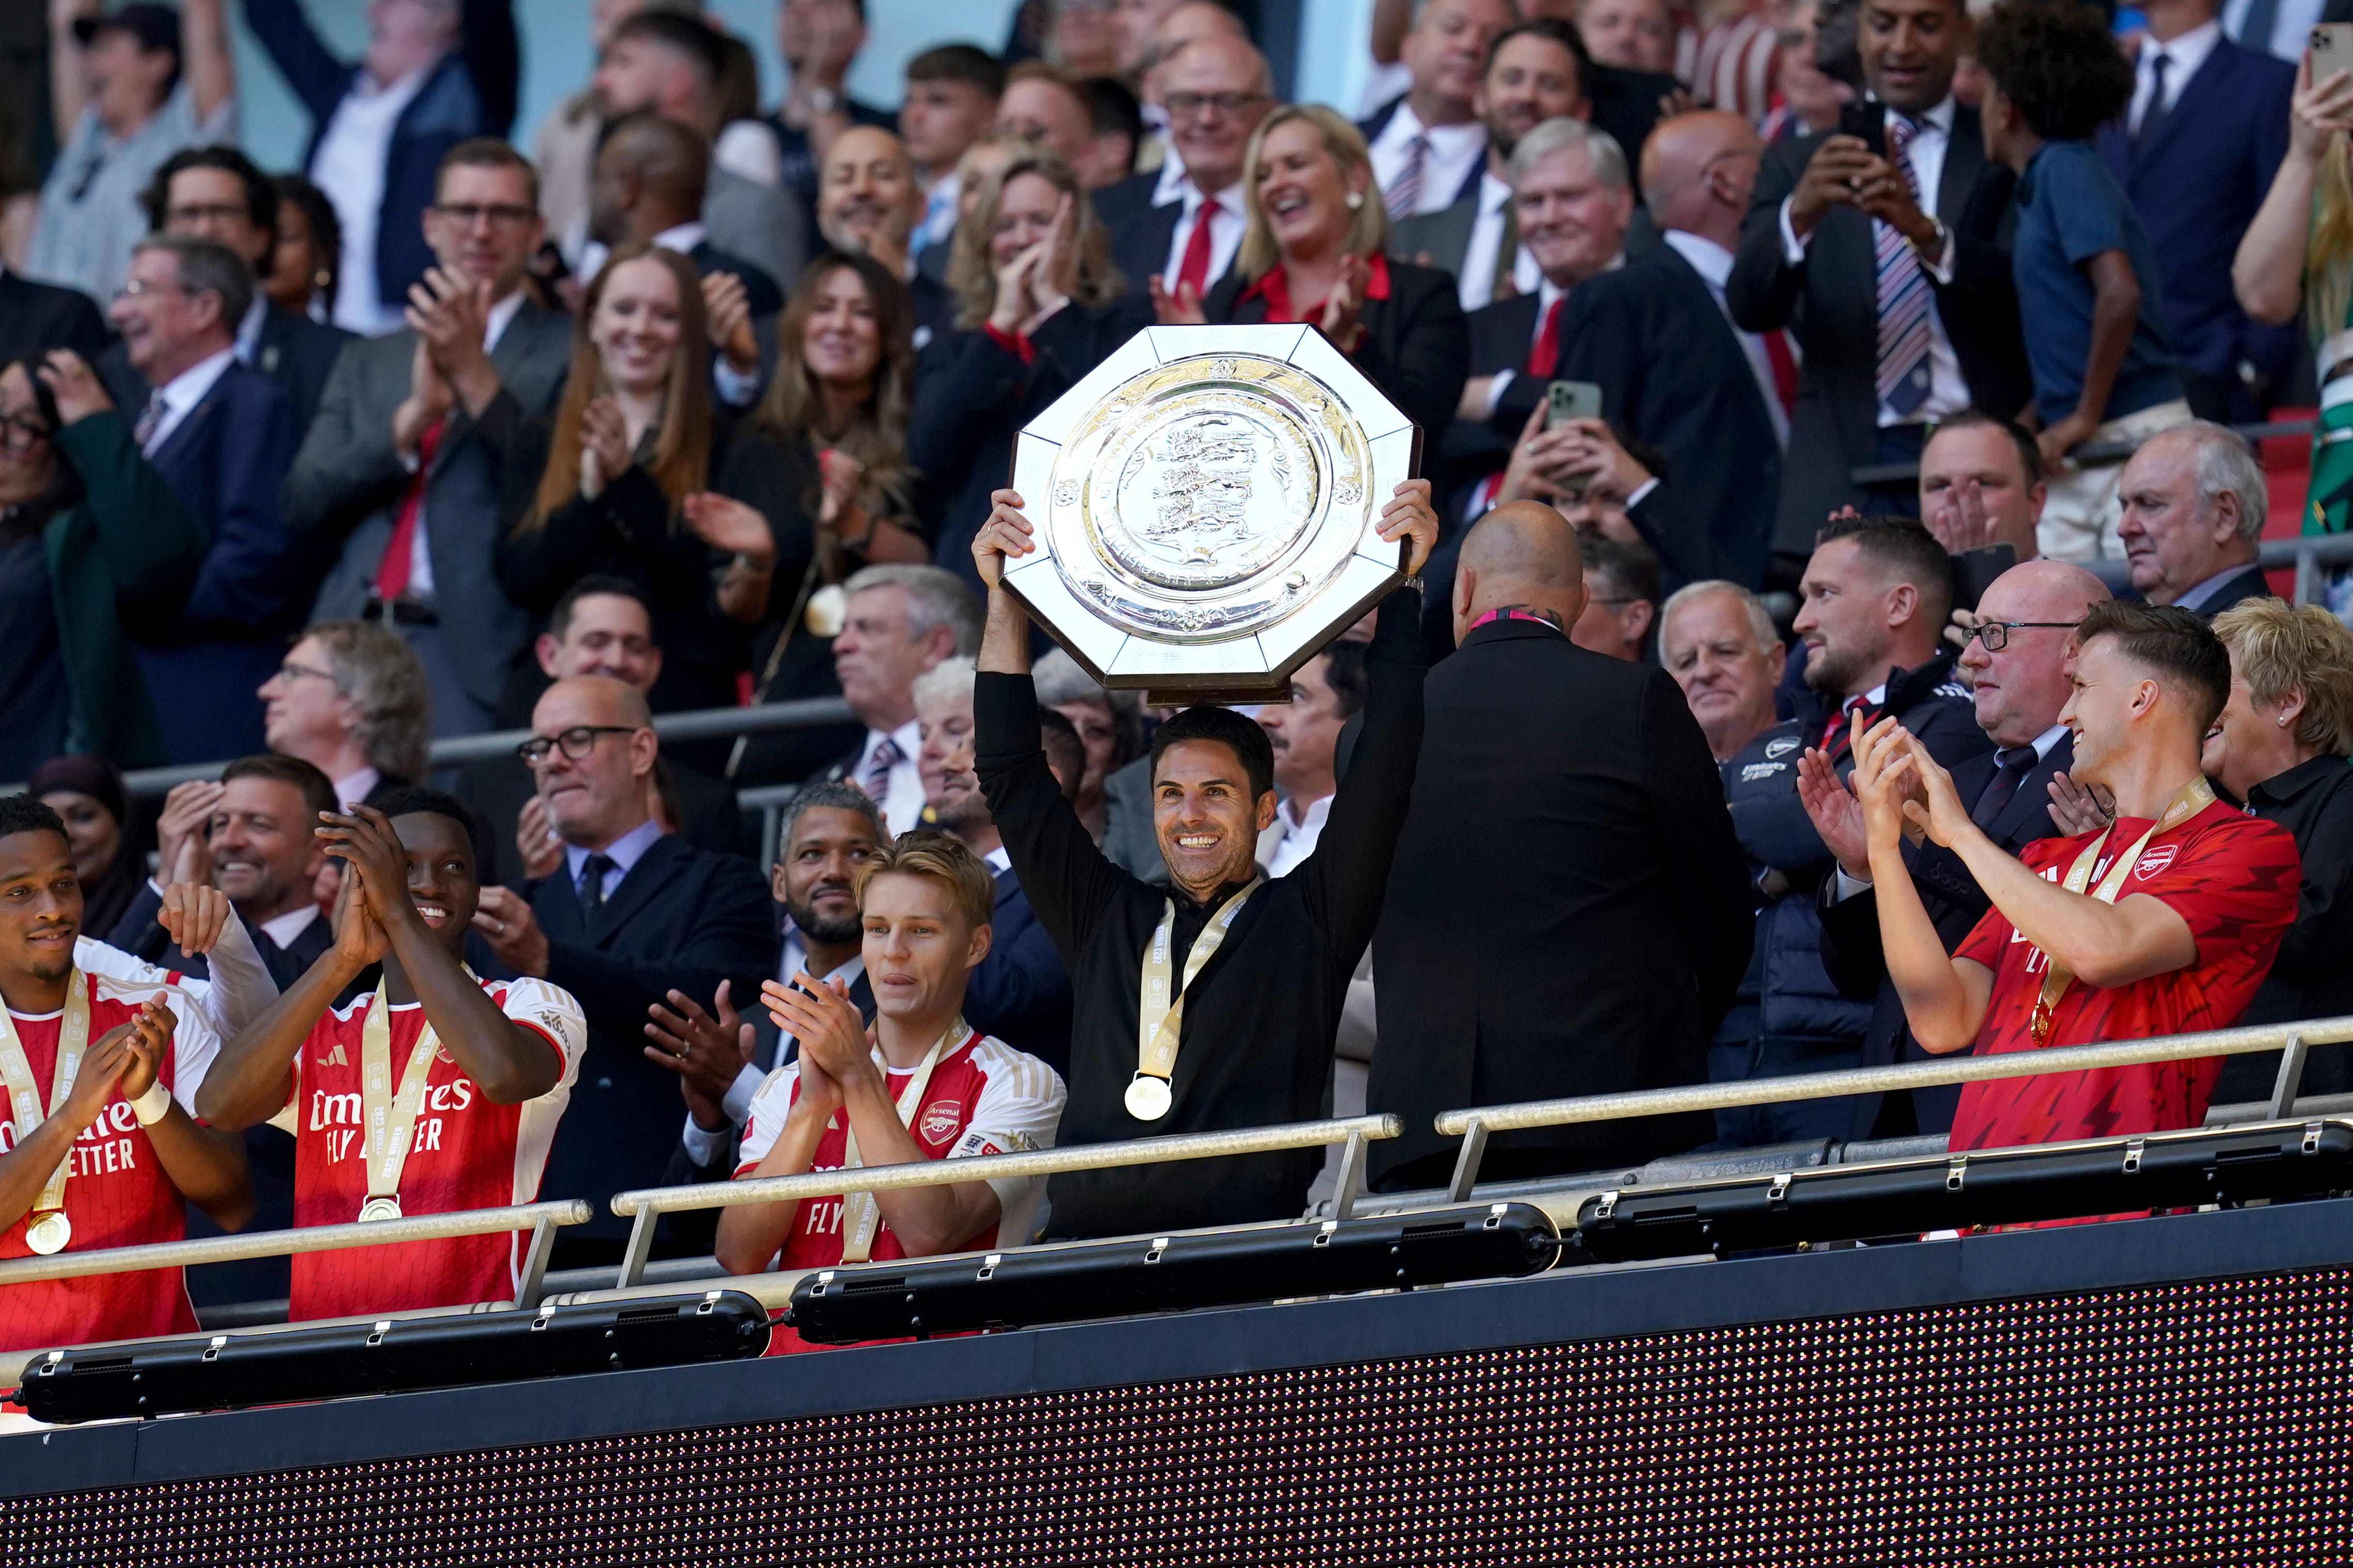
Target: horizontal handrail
(1593,1108)
(301,1238)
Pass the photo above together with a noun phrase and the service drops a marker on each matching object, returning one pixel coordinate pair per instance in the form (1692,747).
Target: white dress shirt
(350,792)
(1446,163)
(349,165)
(1714,265)
(1225,224)
(1949,393)
(2291,26)
(1477,286)
(289,925)
(902,801)
(420,543)
(1299,835)
(623,852)
(2183,56)
(939,219)
(182,392)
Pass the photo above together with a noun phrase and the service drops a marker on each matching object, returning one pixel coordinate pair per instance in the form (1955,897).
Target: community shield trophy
(1206,505)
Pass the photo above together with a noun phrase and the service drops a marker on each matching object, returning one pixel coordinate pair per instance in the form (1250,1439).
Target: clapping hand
(725,523)
(536,844)
(706,1052)
(728,309)
(1956,516)
(604,445)
(360,939)
(1180,307)
(1342,308)
(820,1017)
(182,830)
(2079,808)
(1836,814)
(430,399)
(451,318)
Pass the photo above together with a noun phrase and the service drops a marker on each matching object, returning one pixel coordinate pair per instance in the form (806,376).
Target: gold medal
(376,1209)
(1160,1002)
(388,1119)
(48,1235)
(1148,1098)
(2188,802)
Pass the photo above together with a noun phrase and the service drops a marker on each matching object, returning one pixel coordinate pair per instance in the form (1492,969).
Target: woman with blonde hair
(1038,306)
(1312,234)
(2281,747)
(602,487)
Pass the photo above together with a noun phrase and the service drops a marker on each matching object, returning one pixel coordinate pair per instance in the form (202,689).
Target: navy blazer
(226,461)
(1674,372)
(682,918)
(1020,992)
(295,352)
(1373,124)
(761,291)
(2196,186)
(470,92)
(37,317)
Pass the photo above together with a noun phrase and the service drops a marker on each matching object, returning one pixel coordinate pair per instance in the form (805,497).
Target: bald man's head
(650,175)
(1523,552)
(595,771)
(2019,689)
(1697,171)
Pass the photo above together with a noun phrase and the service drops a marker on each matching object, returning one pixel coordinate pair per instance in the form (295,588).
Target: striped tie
(1903,296)
(1407,191)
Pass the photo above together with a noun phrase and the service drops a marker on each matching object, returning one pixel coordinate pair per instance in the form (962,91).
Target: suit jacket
(1580,932)
(1371,125)
(2251,583)
(295,352)
(1021,993)
(684,919)
(758,223)
(1851,950)
(2196,184)
(37,317)
(1140,232)
(1674,372)
(1440,239)
(139,932)
(1831,301)
(1501,334)
(496,788)
(226,461)
(470,92)
(347,484)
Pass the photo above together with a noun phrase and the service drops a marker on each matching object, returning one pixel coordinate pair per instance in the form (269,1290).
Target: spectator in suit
(633,913)
(1981,484)
(720,1055)
(310,250)
(868,203)
(2194,500)
(1049,109)
(819,40)
(2019,659)
(352,700)
(2281,747)
(1214,92)
(2197,147)
(1428,147)
(129,88)
(898,621)
(217,194)
(1598,873)
(1326,693)
(648,188)
(1534,72)
(436,74)
(670,65)
(222,435)
(1165,34)
(37,317)
(1673,370)
(1109,727)
(1810,258)
(395,483)
(1632,35)
(1118,127)
(1020,992)
(93,544)
(1039,305)
(1622,598)
(86,791)
(950,103)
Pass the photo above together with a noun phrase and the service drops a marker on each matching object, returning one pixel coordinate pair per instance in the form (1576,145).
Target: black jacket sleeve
(1762,291)
(1421,361)
(1347,876)
(1067,880)
(2322,936)
(1707,876)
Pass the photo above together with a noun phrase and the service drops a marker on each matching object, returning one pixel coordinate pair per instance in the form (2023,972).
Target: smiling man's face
(442,881)
(40,905)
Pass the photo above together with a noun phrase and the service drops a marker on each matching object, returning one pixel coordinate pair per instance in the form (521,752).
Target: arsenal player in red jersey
(436,1092)
(923,1085)
(2163,922)
(104,1159)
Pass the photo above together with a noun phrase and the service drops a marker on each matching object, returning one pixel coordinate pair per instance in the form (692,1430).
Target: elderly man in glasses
(632,913)
(2018,658)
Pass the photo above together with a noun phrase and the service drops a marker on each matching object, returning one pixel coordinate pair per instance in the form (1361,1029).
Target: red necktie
(1785,368)
(1544,358)
(1193,268)
(392,572)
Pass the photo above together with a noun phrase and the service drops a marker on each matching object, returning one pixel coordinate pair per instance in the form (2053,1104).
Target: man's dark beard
(833,933)
(1832,672)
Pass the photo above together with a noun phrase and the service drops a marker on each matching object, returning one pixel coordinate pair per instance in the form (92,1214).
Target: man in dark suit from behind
(2194,499)
(222,435)
(2021,686)
(2195,151)
(218,193)
(631,913)
(1810,258)
(1566,913)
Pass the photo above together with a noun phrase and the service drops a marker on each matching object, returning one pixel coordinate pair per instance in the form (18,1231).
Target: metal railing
(2096,455)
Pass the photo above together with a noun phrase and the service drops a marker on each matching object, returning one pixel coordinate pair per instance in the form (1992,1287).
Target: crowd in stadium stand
(1864,657)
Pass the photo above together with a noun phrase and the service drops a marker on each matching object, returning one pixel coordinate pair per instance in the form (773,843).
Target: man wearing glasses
(1179,225)
(393,479)
(2018,657)
(631,914)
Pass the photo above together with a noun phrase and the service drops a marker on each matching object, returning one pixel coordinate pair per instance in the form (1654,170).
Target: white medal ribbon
(861,1217)
(2193,797)
(1160,1016)
(390,1121)
(50,1230)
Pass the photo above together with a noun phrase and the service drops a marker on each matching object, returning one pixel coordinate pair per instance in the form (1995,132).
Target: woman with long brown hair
(602,487)
(815,485)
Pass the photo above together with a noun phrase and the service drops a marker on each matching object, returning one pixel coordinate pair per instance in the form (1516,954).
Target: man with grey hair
(2194,500)
(352,700)
(898,620)
(1716,638)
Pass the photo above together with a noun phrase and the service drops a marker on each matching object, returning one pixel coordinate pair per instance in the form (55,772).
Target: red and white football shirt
(2234,879)
(118,1194)
(984,1097)
(466,1153)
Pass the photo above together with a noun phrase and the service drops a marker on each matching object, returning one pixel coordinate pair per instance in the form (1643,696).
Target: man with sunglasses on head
(2018,658)
(632,913)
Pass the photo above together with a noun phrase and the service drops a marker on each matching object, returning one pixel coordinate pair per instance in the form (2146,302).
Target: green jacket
(124,556)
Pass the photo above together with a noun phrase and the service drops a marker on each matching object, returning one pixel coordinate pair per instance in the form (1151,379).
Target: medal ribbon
(24,1096)
(1159,1015)
(2193,797)
(390,1122)
(859,1213)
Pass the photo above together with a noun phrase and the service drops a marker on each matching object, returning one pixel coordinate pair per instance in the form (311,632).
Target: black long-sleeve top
(1255,1044)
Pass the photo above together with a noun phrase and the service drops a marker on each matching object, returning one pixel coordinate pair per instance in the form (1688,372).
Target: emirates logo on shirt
(2153,861)
(939,1123)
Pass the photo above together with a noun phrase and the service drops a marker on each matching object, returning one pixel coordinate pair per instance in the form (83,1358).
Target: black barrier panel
(2204,1422)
